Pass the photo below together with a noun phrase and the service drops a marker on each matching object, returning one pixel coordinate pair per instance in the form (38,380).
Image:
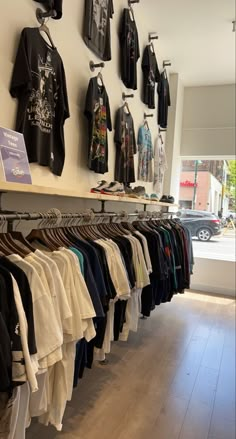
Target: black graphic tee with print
(125,147)
(39,83)
(164,103)
(97,111)
(97,28)
(129,50)
(151,75)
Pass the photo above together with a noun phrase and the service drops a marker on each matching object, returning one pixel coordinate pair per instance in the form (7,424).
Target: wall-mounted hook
(131,2)
(125,96)
(94,66)
(148,115)
(40,15)
(152,37)
(166,63)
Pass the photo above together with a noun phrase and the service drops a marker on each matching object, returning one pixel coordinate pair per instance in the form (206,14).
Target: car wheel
(204,234)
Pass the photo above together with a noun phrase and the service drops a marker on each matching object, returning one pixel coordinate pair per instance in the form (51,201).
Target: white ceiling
(196,35)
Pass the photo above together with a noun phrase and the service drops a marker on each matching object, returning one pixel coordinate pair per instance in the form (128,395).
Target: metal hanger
(43,28)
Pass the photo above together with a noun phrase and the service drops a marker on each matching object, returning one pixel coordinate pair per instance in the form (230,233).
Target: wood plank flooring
(174,379)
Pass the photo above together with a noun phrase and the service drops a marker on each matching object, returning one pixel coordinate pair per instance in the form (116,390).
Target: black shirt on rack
(39,83)
(151,75)
(129,50)
(97,111)
(97,28)
(164,103)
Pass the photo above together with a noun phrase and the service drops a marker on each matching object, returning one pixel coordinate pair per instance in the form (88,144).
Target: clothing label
(14,159)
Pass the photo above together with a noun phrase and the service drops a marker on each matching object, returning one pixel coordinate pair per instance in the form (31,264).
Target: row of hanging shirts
(66,294)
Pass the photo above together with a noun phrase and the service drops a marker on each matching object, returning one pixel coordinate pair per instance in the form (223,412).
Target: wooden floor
(175,379)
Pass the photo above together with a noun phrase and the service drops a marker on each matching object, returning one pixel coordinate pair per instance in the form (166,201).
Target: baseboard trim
(213,290)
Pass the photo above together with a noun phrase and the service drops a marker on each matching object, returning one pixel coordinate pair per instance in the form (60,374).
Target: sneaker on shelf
(138,191)
(128,191)
(154,197)
(101,185)
(114,188)
(167,199)
(146,197)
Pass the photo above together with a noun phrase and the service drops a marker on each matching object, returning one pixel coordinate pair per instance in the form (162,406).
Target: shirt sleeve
(137,45)
(157,72)
(145,62)
(66,111)
(88,111)
(140,138)
(118,129)
(21,77)
(134,138)
(111,9)
(109,123)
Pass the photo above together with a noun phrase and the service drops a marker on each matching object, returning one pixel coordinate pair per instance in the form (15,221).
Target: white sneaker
(114,188)
(101,185)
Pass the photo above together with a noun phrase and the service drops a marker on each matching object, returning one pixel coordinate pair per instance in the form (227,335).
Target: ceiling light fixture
(234,25)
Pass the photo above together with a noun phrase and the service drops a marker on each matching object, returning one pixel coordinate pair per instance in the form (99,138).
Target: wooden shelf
(6,187)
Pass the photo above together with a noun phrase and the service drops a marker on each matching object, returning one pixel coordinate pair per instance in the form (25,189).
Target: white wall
(214,276)
(67,36)
(209,121)
(173,137)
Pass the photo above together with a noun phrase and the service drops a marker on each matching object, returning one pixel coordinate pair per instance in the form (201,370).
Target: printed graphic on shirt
(151,79)
(100,15)
(131,42)
(44,96)
(98,146)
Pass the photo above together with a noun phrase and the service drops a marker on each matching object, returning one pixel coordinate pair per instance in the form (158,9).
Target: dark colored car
(201,224)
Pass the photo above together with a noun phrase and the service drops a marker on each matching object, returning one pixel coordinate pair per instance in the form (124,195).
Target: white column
(173,137)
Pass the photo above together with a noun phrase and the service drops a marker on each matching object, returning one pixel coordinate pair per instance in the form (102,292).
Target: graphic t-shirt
(97,111)
(163,91)
(151,75)
(125,147)
(39,83)
(129,50)
(145,154)
(160,165)
(97,32)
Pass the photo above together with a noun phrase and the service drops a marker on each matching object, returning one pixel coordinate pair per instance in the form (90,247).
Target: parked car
(201,224)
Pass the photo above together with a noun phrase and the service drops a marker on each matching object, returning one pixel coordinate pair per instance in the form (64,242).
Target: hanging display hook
(166,63)
(94,66)
(125,96)
(152,37)
(148,115)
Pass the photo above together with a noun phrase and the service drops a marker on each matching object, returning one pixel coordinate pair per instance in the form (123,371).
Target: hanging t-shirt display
(97,111)
(145,149)
(160,165)
(125,147)
(97,31)
(129,47)
(151,75)
(163,91)
(39,83)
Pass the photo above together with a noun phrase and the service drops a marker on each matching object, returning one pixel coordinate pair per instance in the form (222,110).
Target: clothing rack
(54,215)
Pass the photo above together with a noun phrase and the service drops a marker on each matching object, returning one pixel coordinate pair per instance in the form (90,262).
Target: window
(207,198)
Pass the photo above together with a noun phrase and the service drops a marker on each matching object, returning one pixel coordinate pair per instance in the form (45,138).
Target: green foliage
(231,185)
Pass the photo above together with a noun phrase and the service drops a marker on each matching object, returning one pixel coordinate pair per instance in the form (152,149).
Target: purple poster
(14,157)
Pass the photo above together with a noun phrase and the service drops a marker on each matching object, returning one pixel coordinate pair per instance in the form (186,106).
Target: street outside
(219,247)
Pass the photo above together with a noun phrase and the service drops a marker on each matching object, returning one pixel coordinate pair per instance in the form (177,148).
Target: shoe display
(167,199)
(114,188)
(101,185)
(154,197)
(139,190)
(146,197)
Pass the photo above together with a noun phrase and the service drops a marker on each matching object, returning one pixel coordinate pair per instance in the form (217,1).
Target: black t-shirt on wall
(151,75)
(97,31)
(39,83)
(129,50)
